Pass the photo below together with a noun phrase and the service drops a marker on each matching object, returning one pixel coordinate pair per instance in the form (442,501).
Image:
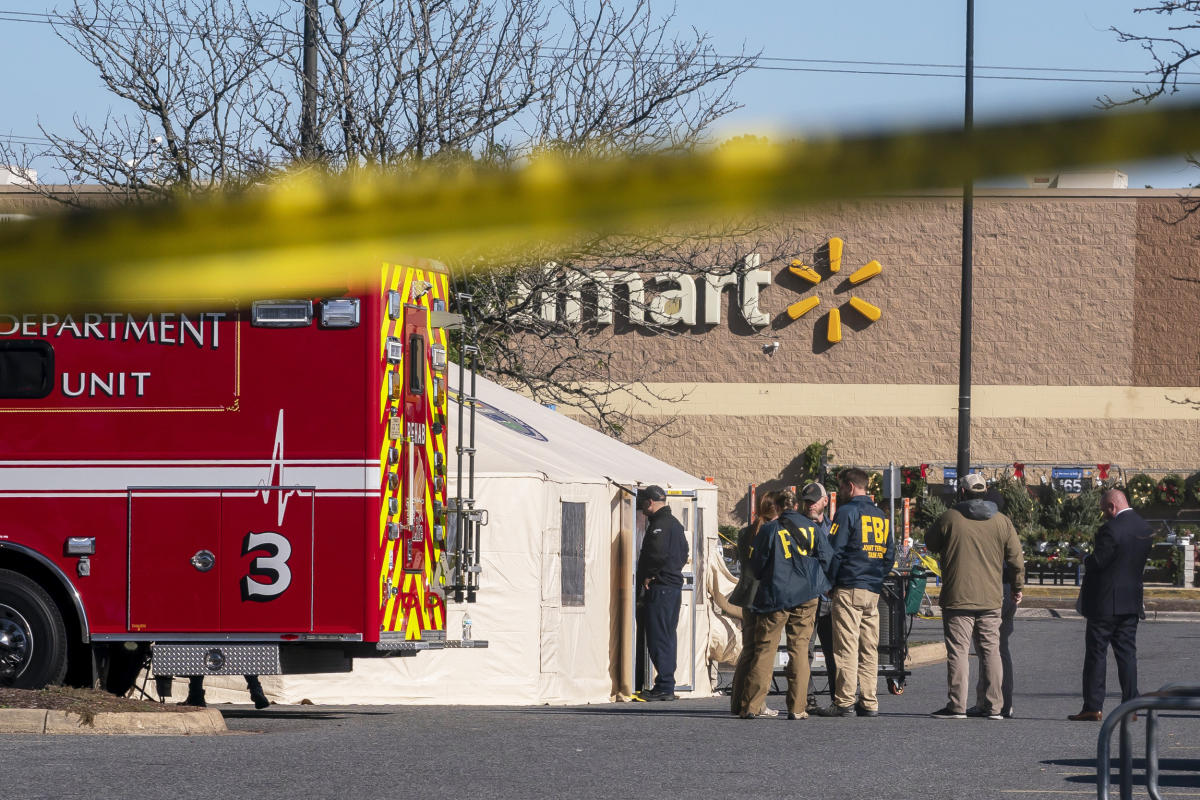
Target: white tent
(559,628)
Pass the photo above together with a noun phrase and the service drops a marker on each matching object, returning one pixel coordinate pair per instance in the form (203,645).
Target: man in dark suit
(1111,599)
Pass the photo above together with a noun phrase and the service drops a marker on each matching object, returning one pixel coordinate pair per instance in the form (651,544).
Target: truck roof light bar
(281,313)
(340,312)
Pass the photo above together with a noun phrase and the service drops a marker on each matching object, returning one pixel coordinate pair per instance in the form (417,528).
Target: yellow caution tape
(307,233)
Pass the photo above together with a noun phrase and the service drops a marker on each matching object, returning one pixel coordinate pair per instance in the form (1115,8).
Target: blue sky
(45,80)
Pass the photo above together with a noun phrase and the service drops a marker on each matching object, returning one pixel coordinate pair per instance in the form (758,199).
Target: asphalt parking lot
(691,748)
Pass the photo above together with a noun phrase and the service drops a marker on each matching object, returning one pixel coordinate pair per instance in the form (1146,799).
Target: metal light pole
(968,217)
(308,105)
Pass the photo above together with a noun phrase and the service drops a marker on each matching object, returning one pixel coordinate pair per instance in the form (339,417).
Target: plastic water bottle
(466,627)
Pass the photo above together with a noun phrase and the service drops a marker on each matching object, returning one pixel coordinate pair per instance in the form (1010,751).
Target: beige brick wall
(1054,287)
(1069,291)
(1167,334)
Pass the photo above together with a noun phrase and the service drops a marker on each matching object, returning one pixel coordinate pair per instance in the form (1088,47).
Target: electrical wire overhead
(760,62)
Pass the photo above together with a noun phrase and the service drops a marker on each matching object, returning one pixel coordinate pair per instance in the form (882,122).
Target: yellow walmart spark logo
(859,276)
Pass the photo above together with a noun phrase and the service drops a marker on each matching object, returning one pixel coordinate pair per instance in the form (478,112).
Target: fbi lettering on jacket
(874,536)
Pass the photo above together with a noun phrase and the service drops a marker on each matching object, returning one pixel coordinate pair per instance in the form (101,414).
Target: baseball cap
(649,493)
(653,492)
(813,492)
(974,482)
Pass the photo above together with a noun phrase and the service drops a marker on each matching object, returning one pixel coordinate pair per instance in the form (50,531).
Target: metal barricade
(1173,697)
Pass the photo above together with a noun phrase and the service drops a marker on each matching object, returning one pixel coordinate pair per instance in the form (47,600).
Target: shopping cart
(894,626)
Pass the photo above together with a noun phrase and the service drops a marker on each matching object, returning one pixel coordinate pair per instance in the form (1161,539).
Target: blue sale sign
(1071,479)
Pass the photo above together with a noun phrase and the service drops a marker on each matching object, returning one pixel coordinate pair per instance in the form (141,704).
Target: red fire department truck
(234,488)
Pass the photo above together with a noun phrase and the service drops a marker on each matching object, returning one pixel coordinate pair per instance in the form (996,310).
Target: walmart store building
(1086,341)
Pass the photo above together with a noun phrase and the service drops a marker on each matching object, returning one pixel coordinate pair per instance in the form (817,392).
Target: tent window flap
(574,517)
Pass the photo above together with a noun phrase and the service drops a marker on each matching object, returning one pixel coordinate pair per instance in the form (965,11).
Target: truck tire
(33,638)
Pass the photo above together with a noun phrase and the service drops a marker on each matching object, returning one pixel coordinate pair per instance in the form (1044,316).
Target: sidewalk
(1071,613)
(1163,603)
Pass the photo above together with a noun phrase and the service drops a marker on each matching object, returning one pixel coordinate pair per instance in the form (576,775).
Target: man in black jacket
(660,581)
(1111,599)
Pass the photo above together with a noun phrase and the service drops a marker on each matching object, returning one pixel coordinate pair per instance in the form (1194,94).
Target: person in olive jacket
(789,558)
(863,553)
(974,543)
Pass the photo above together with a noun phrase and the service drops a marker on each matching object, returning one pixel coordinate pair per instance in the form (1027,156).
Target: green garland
(1051,507)
(831,482)
(929,509)
(1193,488)
(813,458)
(911,482)
(1019,504)
(1171,490)
(1140,490)
(875,486)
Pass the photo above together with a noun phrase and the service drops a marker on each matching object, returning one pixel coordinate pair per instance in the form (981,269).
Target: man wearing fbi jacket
(863,552)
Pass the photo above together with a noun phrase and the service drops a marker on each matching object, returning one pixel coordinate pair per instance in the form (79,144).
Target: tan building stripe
(910,400)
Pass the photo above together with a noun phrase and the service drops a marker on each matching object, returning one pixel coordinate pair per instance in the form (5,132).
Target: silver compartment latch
(204,560)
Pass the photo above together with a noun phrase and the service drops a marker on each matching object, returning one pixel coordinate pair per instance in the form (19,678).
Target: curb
(135,723)
(1070,613)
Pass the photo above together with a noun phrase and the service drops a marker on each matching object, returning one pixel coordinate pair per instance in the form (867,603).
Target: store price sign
(1072,480)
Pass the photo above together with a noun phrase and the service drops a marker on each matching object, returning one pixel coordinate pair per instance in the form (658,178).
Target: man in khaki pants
(863,553)
(974,542)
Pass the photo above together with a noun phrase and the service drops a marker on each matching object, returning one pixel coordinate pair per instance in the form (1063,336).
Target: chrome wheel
(16,644)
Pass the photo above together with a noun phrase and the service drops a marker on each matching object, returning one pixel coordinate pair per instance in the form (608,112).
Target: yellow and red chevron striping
(418,606)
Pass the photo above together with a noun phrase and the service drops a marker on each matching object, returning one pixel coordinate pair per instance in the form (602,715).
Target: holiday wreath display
(1171,490)
(1057,525)
(1140,489)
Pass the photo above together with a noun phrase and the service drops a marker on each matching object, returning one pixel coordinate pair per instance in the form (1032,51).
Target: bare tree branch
(211,92)
(1170,53)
